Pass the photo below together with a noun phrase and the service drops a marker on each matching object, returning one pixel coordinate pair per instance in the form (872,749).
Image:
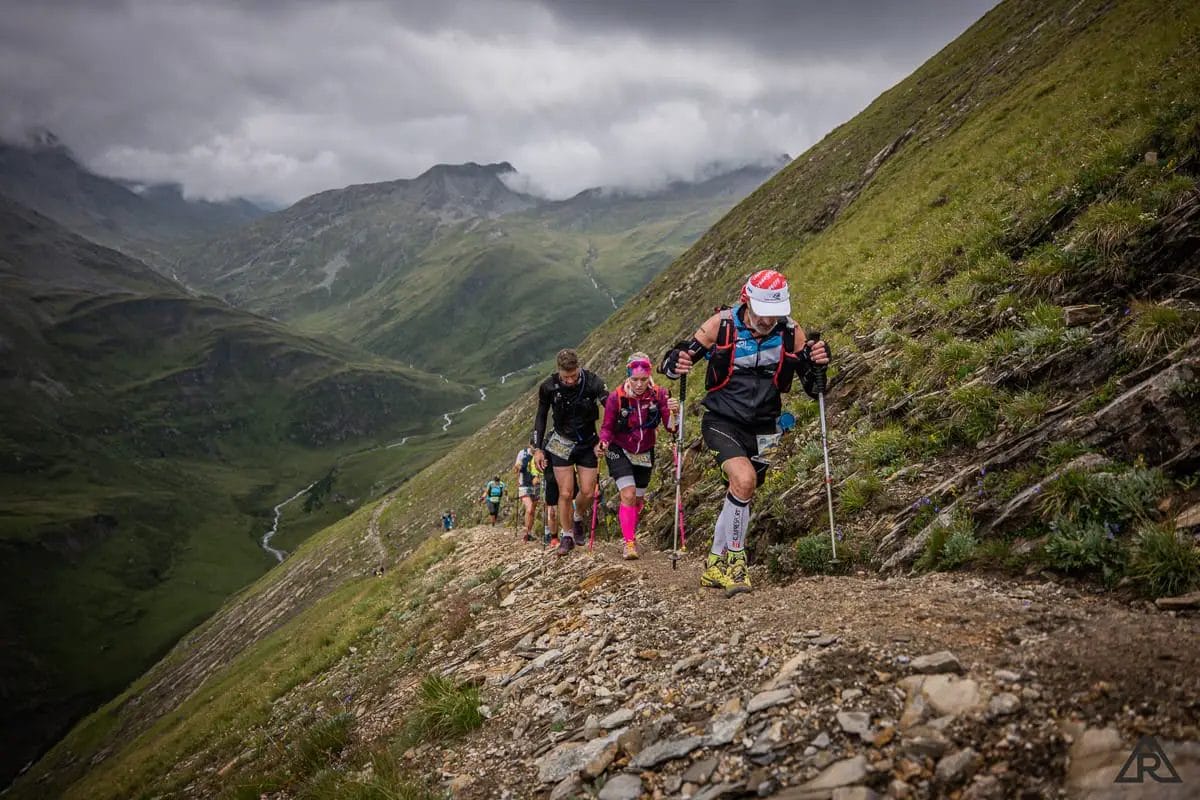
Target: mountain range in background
(41,173)
(417,269)
(147,427)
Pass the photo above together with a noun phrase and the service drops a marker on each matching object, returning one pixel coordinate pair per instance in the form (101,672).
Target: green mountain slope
(417,269)
(143,221)
(1003,250)
(144,436)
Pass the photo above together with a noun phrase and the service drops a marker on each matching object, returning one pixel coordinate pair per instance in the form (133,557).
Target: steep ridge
(970,243)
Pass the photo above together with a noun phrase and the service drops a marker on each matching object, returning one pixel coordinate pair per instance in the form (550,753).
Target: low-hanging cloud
(281,99)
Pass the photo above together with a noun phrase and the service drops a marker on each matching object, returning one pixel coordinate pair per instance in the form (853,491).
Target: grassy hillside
(1003,251)
(145,436)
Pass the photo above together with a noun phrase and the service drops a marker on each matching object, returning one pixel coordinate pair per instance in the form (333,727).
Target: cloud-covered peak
(284,99)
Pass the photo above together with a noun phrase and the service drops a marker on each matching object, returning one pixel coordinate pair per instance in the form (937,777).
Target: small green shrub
(387,781)
(999,553)
(958,549)
(814,554)
(950,544)
(444,710)
(857,492)
(809,457)
(1044,315)
(1164,564)
(1003,485)
(882,446)
(1089,547)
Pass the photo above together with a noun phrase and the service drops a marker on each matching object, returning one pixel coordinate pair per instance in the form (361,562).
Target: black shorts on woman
(620,466)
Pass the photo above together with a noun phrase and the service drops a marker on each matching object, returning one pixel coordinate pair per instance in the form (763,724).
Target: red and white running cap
(767,294)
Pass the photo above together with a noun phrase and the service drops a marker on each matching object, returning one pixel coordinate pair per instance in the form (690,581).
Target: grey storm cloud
(280,99)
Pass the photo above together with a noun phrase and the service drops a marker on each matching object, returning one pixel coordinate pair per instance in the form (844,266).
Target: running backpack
(720,362)
(653,415)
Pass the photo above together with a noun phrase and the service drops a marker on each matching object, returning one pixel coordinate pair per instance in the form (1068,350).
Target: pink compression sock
(629,520)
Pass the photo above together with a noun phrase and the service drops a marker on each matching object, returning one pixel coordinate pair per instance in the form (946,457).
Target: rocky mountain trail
(614,679)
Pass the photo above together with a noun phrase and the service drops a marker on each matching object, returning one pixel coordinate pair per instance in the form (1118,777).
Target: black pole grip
(819,369)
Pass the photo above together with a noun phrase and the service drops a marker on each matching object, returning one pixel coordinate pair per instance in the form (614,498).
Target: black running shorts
(582,455)
(728,439)
(493,508)
(619,466)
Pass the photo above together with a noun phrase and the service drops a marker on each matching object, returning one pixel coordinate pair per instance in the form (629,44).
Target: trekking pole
(595,509)
(679,473)
(820,386)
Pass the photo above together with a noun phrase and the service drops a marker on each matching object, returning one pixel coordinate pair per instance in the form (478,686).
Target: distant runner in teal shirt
(493,491)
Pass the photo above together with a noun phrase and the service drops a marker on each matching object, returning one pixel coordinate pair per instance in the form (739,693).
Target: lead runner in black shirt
(574,396)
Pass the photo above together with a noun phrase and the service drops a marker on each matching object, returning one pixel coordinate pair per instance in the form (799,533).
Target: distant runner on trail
(528,477)
(493,492)
(448,520)
(754,351)
(632,415)
(574,396)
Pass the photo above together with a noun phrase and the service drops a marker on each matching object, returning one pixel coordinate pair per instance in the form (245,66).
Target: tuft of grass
(974,411)
(1164,564)
(1060,452)
(1156,329)
(321,743)
(1024,410)
(386,780)
(1107,228)
(445,709)
(857,492)
(1046,270)
(1106,496)
(881,447)
(955,360)
(950,543)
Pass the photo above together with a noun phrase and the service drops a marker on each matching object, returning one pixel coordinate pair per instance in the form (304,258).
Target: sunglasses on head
(638,366)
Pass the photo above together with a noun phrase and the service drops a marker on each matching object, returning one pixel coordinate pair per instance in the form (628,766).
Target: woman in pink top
(632,415)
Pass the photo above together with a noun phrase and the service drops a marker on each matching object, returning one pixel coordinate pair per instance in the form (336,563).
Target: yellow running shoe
(715,576)
(631,551)
(739,576)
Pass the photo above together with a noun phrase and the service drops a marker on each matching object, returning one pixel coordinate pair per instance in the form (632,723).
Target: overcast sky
(278,99)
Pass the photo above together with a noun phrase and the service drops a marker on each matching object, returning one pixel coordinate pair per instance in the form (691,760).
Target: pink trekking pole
(595,509)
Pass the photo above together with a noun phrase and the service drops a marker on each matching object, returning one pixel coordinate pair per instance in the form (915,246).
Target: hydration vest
(651,416)
(737,347)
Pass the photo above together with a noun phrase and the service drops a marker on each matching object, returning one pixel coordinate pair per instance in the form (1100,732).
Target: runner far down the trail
(574,396)
(754,352)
